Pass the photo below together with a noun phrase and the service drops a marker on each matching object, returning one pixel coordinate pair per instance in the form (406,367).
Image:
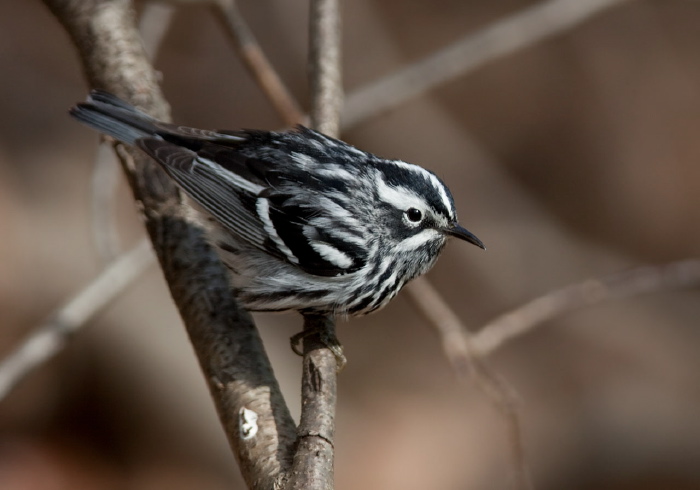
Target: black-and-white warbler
(305,222)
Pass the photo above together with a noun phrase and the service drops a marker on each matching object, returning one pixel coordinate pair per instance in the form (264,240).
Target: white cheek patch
(414,242)
(331,254)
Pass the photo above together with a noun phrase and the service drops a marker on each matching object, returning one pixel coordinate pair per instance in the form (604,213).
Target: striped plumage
(305,222)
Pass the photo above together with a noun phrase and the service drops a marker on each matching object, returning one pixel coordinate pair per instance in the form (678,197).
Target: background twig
(257,63)
(519,31)
(467,362)
(641,280)
(52,335)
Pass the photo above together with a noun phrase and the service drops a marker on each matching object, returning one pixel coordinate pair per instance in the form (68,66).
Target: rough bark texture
(313,461)
(223,335)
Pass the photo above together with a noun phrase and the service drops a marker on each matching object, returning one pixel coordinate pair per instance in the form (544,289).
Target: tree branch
(314,458)
(466,361)
(257,63)
(641,280)
(313,462)
(325,67)
(153,25)
(224,337)
(50,338)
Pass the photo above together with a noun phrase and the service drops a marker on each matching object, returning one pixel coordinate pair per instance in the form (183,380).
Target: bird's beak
(464,234)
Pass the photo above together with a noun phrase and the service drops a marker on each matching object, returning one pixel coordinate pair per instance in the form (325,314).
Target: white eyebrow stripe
(434,181)
(412,243)
(262,206)
(399,197)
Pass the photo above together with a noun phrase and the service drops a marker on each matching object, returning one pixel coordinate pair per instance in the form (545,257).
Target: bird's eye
(414,215)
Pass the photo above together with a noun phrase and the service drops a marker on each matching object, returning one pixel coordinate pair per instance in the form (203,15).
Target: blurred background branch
(514,33)
(576,172)
(466,362)
(325,66)
(257,63)
(637,281)
(52,336)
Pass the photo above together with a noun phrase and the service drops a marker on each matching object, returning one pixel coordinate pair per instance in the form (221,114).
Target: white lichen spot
(247,423)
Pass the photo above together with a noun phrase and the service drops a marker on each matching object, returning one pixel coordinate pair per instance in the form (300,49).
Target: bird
(303,221)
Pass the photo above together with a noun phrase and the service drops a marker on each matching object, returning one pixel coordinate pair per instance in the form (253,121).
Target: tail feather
(110,115)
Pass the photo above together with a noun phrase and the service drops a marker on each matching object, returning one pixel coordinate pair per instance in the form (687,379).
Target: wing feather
(236,188)
(229,198)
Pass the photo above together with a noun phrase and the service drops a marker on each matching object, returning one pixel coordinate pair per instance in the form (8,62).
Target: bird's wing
(228,197)
(272,207)
(310,227)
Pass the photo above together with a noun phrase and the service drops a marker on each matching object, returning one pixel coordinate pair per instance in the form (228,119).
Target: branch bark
(313,462)
(313,466)
(324,66)
(250,405)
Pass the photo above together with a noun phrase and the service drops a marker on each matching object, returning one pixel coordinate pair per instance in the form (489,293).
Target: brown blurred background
(571,159)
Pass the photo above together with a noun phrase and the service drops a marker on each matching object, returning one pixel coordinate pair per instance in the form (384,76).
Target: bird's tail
(111,115)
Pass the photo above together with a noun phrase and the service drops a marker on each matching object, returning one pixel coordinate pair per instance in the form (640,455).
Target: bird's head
(417,209)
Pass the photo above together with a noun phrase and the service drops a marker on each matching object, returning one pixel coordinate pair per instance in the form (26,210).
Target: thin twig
(49,338)
(312,468)
(314,457)
(257,63)
(324,66)
(468,362)
(519,31)
(641,280)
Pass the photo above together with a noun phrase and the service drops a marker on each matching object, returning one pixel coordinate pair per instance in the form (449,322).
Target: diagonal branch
(49,338)
(458,346)
(519,31)
(230,352)
(257,63)
(153,25)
